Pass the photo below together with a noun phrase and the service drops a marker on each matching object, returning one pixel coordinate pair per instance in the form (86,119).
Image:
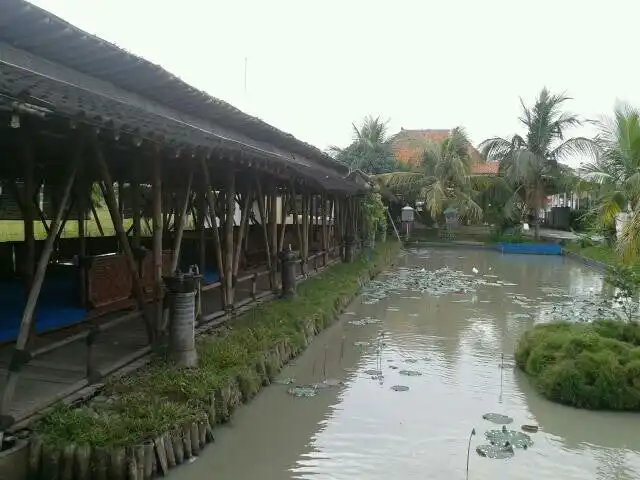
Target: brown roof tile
(407,146)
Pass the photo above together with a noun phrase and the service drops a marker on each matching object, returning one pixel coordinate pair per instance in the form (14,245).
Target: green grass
(594,366)
(148,403)
(13,230)
(600,252)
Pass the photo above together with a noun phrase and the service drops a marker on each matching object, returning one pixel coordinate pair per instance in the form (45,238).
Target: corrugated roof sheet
(34,30)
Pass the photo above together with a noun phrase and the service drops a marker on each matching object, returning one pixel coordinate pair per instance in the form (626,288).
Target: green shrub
(595,366)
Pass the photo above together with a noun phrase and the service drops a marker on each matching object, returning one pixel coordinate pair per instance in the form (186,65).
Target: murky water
(367,430)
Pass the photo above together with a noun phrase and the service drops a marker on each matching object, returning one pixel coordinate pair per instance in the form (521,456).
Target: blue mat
(57,305)
(530,248)
(210,276)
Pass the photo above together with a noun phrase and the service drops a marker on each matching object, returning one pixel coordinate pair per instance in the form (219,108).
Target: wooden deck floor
(58,373)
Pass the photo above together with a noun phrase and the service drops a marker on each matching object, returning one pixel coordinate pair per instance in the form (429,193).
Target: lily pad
(332,382)
(361,344)
(373,373)
(303,391)
(410,360)
(410,373)
(495,451)
(399,388)
(286,381)
(393,367)
(498,418)
(511,437)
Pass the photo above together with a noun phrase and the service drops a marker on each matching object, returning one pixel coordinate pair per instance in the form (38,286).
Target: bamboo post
(305,232)
(273,237)
(121,199)
(81,209)
(296,220)
(36,206)
(97,219)
(181,221)
(263,221)
(285,213)
(247,203)
(135,205)
(211,200)
(29,217)
(229,240)
(201,207)
(325,242)
(20,357)
(107,190)
(156,189)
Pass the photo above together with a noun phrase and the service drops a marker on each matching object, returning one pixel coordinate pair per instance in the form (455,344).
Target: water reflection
(366,430)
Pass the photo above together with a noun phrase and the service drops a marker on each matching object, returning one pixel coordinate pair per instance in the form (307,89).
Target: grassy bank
(595,366)
(600,252)
(234,364)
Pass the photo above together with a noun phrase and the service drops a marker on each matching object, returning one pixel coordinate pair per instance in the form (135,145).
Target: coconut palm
(530,163)
(442,179)
(616,176)
(370,150)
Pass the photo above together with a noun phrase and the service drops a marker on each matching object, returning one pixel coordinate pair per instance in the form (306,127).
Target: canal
(410,370)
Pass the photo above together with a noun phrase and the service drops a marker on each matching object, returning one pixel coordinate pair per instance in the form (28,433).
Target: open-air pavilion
(181,178)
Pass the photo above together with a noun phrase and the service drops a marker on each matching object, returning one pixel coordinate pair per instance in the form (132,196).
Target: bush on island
(586,365)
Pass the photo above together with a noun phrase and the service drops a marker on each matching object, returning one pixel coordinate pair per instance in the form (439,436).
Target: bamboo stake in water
(473,432)
(324,363)
(342,348)
(501,376)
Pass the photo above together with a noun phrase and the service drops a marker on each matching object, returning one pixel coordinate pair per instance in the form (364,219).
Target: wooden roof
(48,63)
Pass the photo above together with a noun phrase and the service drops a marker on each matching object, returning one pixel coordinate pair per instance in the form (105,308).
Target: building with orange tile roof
(407,145)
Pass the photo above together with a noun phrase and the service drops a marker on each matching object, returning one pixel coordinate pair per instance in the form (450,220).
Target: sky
(314,68)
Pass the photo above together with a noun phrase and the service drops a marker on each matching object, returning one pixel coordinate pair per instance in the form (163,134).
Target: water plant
(586,365)
(505,438)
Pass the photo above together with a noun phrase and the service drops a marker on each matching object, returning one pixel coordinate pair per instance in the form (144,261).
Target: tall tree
(530,163)
(442,179)
(370,150)
(616,176)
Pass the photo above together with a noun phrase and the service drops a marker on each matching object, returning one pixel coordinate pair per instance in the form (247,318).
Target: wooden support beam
(306,210)
(263,221)
(273,237)
(325,238)
(96,218)
(136,205)
(110,198)
(156,192)
(81,210)
(26,322)
(29,215)
(229,284)
(201,206)
(286,198)
(212,200)
(181,222)
(296,220)
(121,199)
(247,204)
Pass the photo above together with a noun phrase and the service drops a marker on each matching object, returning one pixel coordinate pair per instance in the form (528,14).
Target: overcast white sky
(316,67)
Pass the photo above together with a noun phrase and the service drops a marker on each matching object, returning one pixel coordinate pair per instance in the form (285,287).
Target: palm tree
(616,176)
(370,150)
(442,179)
(530,164)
